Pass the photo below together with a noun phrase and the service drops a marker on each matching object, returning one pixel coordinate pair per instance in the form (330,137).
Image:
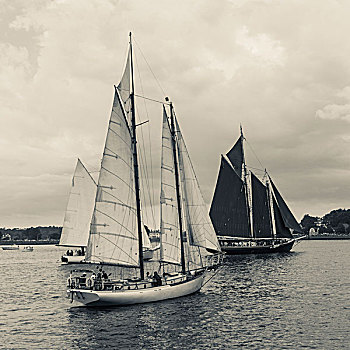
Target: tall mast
(136,167)
(177,185)
(246,186)
(269,205)
(271,210)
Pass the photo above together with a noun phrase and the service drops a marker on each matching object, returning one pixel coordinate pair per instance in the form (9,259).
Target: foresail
(228,211)
(200,230)
(262,227)
(235,155)
(113,234)
(169,219)
(281,230)
(288,217)
(76,225)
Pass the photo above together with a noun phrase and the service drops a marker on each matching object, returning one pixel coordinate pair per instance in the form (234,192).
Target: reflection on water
(281,301)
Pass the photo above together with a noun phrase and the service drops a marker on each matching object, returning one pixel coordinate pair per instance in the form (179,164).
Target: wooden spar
(136,168)
(177,183)
(246,187)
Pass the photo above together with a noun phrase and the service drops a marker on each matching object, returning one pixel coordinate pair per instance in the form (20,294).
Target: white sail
(169,220)
(76,225)
(146,243)
(200,231)
(124,89)
(113,234)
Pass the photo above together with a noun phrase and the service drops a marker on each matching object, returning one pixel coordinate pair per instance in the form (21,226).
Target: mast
(246,186)
(269,205)
(136,168)
(177,184)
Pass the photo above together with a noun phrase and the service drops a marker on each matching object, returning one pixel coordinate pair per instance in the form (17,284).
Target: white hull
(137,296)
(73,259)
(10,247)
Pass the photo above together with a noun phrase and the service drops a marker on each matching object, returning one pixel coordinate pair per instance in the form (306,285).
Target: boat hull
(279,248)
(138,296)
(10,248)
(73,259)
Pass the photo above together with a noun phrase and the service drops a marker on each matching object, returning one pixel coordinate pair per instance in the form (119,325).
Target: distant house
(6,237)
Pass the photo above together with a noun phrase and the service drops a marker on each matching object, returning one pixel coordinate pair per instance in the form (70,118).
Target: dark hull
(280,248)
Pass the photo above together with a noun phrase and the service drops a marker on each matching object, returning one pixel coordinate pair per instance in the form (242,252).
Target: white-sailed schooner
(188,243)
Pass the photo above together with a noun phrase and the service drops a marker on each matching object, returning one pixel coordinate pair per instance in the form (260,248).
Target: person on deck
(82,280)
(157,280)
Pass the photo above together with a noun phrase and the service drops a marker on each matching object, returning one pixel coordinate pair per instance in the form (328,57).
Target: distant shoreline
(21,242)
(319,238)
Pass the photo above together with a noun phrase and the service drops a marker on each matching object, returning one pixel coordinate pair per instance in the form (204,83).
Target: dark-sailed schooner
(250,216)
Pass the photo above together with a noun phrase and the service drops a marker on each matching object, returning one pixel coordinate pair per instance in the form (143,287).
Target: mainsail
(169,221)
(113,234)
(228,210)
(260,209)
(288,218)
(199,227)
(76,225)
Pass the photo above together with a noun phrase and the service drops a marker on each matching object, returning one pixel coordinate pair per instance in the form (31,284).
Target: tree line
(335,222)
(31,233)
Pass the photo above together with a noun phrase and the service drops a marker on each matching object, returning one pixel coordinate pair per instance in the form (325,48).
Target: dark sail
(261,212)
(228,210)
(288,217)
(235,155)
(281,230)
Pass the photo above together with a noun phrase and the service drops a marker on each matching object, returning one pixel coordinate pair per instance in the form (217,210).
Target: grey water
(296,300)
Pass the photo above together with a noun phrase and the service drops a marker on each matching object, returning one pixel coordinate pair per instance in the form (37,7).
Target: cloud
(267,50)
(337,111)
(271,66)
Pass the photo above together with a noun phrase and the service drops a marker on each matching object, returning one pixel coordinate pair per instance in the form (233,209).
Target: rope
(212,276)
(143,155)
(251,148)
(152,99)
(138,46)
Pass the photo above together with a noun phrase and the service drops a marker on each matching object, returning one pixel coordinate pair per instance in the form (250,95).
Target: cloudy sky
(281,68)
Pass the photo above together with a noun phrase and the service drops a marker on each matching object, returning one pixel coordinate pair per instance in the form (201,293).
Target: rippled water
(285,301)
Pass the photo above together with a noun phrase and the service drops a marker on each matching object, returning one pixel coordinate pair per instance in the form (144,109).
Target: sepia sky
(281,68)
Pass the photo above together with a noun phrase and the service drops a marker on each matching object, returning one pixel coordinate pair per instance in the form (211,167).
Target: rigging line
(257,169)
(145,164)
(251,148)
(152,99)
(151,199)
(138,46)
(214,274)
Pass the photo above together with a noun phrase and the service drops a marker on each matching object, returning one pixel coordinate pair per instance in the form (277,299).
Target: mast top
(241,129)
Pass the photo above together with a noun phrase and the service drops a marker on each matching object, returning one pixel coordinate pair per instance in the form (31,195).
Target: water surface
(297,300)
